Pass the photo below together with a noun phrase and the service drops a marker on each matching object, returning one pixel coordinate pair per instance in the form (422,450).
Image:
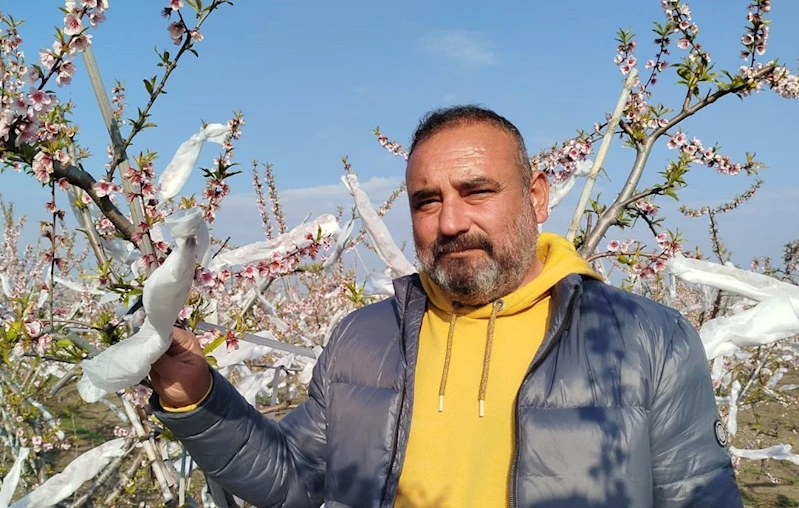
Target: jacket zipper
(395,443)
(535,363)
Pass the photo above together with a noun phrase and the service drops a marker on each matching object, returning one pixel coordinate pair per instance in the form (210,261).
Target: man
(504,374)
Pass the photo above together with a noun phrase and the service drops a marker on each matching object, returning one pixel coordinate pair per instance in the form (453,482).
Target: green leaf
(213,345)
(63,343)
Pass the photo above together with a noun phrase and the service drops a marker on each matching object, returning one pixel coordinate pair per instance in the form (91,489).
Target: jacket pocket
(359,442)
(599,455)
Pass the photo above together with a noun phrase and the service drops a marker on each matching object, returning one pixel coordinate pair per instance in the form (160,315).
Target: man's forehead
(463,149)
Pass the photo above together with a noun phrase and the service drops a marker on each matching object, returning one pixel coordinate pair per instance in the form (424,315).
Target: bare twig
(124,478)
(277,408)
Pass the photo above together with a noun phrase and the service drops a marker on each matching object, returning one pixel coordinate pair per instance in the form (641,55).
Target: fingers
(165,363)
(183,340)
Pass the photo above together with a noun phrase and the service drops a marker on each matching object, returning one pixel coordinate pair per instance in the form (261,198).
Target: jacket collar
(409,293)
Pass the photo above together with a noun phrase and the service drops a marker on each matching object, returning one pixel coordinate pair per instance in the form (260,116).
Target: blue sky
(313,78)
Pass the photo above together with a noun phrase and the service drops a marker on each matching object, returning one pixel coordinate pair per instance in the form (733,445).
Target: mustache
(448,244)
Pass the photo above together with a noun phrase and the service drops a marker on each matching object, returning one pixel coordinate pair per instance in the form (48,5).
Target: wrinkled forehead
(464,151)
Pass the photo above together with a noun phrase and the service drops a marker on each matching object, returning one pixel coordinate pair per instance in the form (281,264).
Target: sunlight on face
(474,225)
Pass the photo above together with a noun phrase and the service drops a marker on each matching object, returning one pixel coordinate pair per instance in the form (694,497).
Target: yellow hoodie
(461,441)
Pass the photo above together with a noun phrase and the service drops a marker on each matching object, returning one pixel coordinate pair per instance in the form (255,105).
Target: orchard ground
(763,484)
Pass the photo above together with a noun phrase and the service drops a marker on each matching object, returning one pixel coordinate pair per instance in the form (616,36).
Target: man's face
(474,222)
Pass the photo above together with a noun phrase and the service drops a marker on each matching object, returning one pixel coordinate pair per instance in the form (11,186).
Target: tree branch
(607,219)
(710,99)
(158,90)
(85,181)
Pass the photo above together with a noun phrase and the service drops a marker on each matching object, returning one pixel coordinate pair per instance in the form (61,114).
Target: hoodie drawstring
(496,307)
(498,304)
(447,359)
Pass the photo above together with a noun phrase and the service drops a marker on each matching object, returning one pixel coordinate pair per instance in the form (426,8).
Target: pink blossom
(63,184)
(33,74)
(614,246)
(34,328)
(231,341)
(72,24)
(146,261)
(249,272)
(204,278)
(89,3)
(27,132)
(43,344)
(148,189)
(63,78)
(42,166)
(185,312)
(46,59)
(104,226)
(40,100)
(19,106)
(196,35)
(677,140)
(6,121)
(176,30)
(103,188)
(85,198)
(68,67)
(176,4)
(82,42)
(96,17)
(207,338)
(683,43)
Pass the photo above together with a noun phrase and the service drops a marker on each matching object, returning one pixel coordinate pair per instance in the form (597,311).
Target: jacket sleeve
(690,462)
(259,460)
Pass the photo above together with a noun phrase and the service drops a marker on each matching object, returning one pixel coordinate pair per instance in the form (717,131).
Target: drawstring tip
(482,408)
(440,403)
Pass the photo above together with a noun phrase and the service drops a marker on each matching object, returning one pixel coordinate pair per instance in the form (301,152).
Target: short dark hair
(440,119)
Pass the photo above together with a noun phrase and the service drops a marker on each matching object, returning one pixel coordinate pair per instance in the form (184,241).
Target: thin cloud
(459,47)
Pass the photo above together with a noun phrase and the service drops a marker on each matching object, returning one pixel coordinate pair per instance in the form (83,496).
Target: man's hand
(181,376)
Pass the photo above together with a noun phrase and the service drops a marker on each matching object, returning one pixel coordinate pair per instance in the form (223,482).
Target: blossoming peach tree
(85,311)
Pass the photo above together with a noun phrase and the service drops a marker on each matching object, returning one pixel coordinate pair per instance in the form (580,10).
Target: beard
(475,282)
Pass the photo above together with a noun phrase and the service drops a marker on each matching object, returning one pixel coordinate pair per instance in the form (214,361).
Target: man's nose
(453,219)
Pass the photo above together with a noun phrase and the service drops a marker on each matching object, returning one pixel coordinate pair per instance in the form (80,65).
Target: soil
(769,483)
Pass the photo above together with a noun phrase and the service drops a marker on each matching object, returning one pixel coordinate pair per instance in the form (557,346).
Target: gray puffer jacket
(616,410)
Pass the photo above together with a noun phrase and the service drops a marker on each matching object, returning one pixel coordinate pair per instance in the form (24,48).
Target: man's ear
(539,195)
